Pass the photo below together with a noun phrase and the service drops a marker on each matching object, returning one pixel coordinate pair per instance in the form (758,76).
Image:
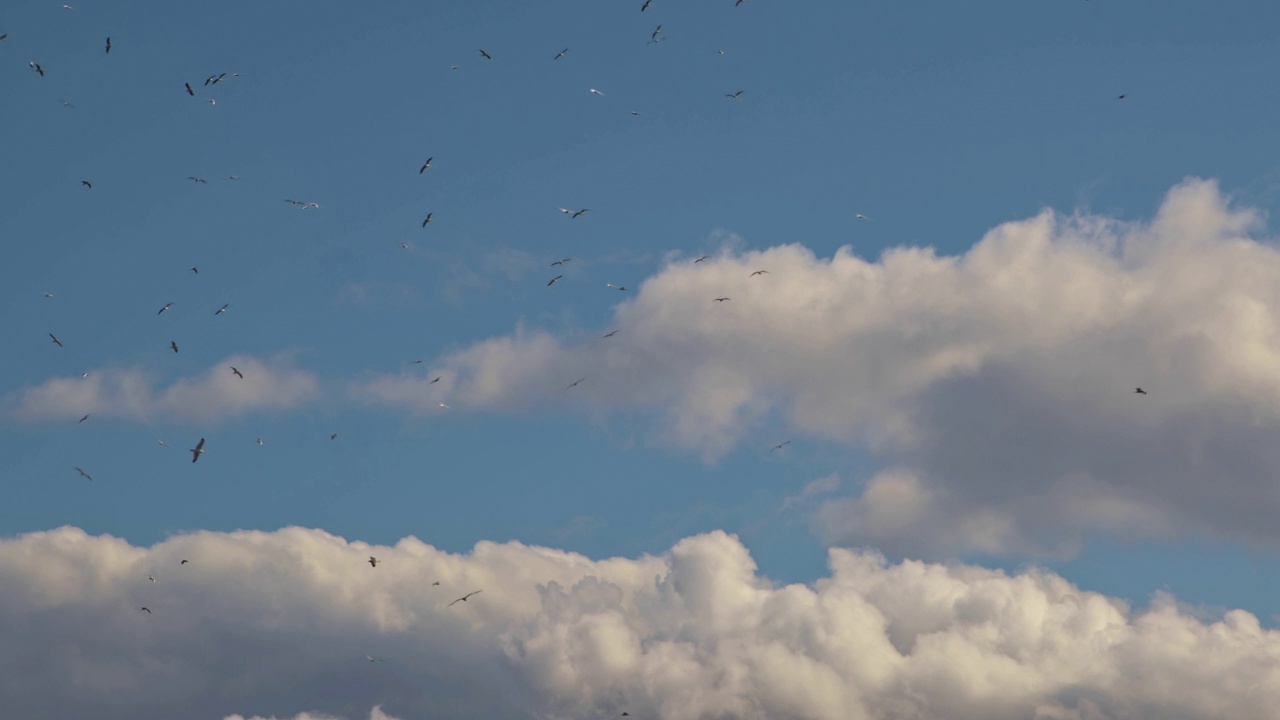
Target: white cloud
(995,387)
(132,394)
(375,714)
(266,624)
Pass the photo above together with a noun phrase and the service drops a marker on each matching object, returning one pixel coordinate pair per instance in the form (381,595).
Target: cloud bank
(132,394)
(275,623)
(995,387)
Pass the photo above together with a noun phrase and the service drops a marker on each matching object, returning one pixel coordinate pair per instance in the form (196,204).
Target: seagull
(222,309)
(704,257)
(35,66)
(560,262)
(87,184)
(197,451)
(560,54)
(780,445)
(734,95)
(427,219)
(194,269)
(404,245)
(464,598)
(436,380)
(645,6)
(373,561)
(653,36)
(1120,97)
(237,372)
(574,384)
(860,216)
(311,205)
(435,583)
(294,202)
(147,609)
(173,345)
(426,165)
(166,307)
(1140,391)
(596,92)
(373,659)
(333,436)
(572,213)
(162,443)
(108,44)
(152,578)
(609,334)
(184,562)
(259,441)
(84,474)
(739,3)
(86,417)
(635,113)
(721,299)
(553,280)
(759,272)
(719,52)
(233,177)
(48,294)
(190,92)
(616,287)
(454,67)
(212,101)
(446,407)
(580,212)
(56,341)
(485,55)
(197,180)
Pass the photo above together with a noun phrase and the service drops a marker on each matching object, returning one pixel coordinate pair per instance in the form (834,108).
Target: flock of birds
(215,79)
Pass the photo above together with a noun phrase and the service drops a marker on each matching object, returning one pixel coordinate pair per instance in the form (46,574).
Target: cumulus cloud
(375,714)
(267,624)
(995,387)
(133,394)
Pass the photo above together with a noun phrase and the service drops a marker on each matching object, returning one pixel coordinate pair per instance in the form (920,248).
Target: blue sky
(938,121)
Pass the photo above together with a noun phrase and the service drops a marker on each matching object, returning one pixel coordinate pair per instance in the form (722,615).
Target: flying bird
(734,95)
(1120,97)
(704,257)
(222,309)
(616,287)
(108,45)
(194,269)
(560,262)
(148,610)
(553,280)
(259,441)
(485,55)
(173,345)
(759,272)
(197,179)
(190,92)
(721,299)
(575,383)
(464,598)
(1140,391)
(56,341)
(739,2)
(446,407)
(84,474)
(636,113)
(780,445)
(162,443)
(86,417)
(436,380)
(197,451)
(184,562)
(560,54)
(860,216)
(333,436)
(233,177)
(594,91)
(653,36)
(426,165)
(35,66)
(166,307)
(373,659)
(427,219)
(609,334)
(646,5)
(152,578)
(48,294)
(237,372)
(87,184)
(435,583)
(373,561)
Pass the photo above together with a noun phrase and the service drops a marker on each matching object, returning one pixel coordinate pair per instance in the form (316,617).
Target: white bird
(860,216)
(259,441)
(152,578)
(446,407)
(596,92)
